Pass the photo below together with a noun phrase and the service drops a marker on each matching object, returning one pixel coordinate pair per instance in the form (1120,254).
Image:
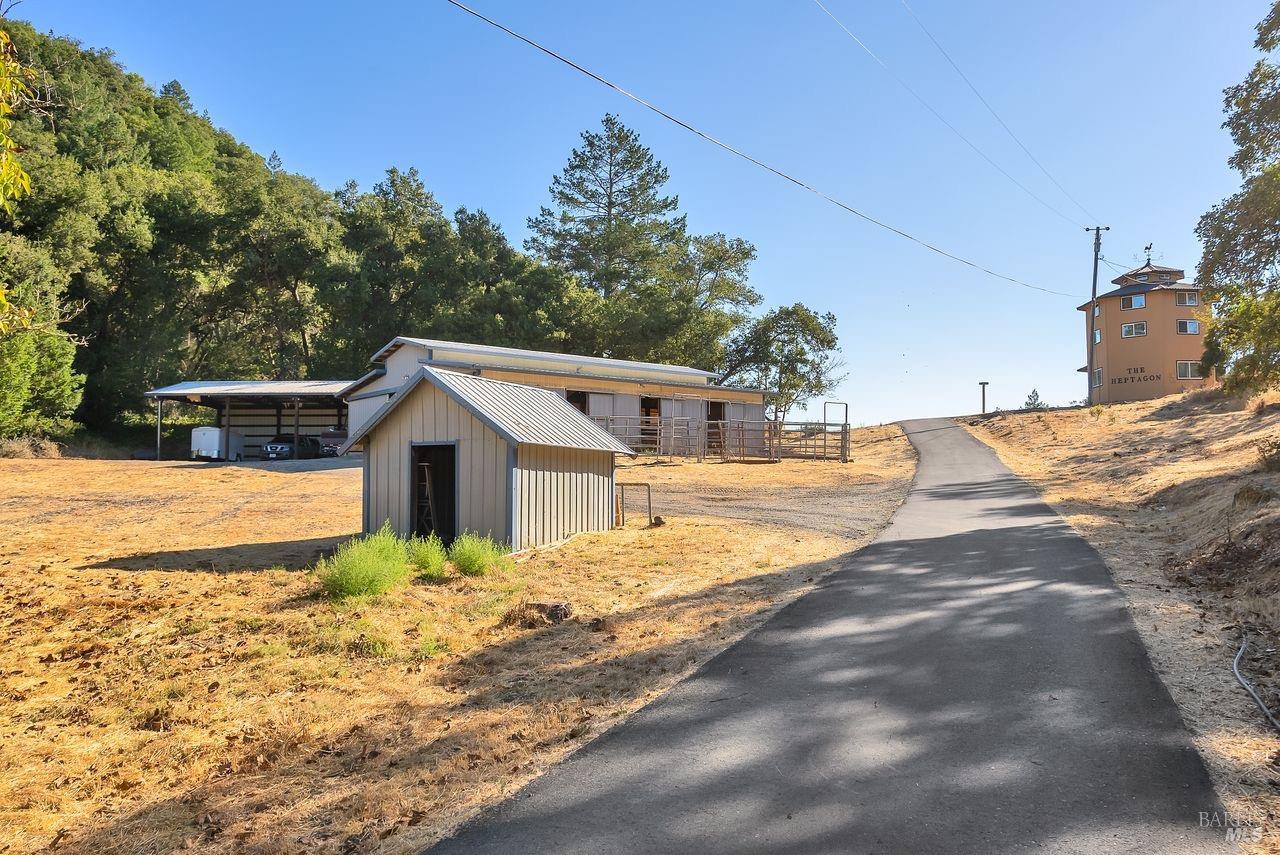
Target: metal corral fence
(729,439)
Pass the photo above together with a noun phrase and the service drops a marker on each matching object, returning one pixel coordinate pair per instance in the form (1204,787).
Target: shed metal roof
(254,388)
(522,415)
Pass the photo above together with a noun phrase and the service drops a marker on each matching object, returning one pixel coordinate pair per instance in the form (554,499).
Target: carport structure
(261,409)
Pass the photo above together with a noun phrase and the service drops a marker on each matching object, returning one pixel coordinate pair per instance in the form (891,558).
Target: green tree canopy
(1240,268)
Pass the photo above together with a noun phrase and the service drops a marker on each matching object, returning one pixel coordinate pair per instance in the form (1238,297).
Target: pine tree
(611,226)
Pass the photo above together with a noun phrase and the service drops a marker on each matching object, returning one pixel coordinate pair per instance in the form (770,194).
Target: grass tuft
(365,566)
(427,555)
(474,555)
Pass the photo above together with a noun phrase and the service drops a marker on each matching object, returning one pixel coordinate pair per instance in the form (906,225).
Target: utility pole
(1093,310)
(983,384)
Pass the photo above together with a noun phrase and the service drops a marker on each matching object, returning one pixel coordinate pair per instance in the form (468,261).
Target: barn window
(578,400)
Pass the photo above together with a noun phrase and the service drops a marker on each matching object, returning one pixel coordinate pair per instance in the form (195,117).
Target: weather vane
(1147,250)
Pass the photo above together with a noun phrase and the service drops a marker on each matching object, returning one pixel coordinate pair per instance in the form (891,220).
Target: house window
(1188,328)
(1164,277)
(1188,370)
(1097,377)
(1133,330)
(1142,277)
(1097,336)
(1097,309)
(1137,301)
(1187,298)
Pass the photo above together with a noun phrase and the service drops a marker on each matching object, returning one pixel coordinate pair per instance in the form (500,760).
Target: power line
(779,173)
(942,119)
(993,112)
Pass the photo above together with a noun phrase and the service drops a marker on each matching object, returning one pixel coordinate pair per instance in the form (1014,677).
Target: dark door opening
(715,425)
(650,422)
(577,400)
(434,490)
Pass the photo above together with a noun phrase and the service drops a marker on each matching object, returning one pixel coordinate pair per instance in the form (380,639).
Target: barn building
(647,405)
(453,452)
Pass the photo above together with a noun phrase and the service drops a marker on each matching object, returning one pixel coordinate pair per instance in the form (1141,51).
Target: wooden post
(226,429)
(297,405)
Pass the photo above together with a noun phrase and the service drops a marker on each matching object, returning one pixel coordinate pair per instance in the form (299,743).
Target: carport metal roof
(194,391)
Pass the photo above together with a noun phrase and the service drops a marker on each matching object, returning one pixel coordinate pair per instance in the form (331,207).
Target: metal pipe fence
(729,439)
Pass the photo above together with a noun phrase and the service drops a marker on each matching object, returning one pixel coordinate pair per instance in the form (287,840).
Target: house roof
(522,415)
(1147,268)
(252,388)
(1142,288)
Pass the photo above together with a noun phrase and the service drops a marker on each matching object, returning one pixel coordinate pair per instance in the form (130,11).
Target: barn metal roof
(588,362)
(254,388)
(522,415)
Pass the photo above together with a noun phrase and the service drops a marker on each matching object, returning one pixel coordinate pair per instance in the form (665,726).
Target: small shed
(455,452)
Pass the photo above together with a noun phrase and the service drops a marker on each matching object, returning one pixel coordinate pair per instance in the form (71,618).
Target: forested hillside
(165,249)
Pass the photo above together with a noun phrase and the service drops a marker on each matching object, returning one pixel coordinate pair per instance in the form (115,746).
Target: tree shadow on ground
(239,558)
(975,692)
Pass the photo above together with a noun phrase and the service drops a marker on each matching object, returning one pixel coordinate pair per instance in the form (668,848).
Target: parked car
(331,439)
(281,448)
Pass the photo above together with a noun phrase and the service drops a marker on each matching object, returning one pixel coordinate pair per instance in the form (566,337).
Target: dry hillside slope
(1175,496)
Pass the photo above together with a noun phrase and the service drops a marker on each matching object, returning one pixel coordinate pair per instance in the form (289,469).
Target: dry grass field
(1173,495)
(171,679)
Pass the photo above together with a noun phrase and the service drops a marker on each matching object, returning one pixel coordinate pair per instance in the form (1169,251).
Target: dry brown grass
(1172,494)
(169,681)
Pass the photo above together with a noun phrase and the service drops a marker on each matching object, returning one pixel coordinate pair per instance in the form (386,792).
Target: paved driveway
(969,683)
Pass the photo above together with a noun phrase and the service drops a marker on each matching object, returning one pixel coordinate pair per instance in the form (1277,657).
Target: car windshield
(282,439)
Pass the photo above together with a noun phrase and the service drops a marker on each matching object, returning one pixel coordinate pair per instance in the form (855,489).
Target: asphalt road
(969,683)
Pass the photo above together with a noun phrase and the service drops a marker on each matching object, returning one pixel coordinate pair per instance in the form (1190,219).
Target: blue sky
(1122,102)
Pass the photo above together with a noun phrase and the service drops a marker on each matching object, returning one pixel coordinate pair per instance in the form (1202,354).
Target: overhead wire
(920,98)
(1008,130)
(743,155)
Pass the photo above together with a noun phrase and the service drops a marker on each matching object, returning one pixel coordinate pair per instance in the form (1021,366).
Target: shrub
(29,447)
(427,555)
(474,555)
(1096,411)
(1269,451)
(365,566)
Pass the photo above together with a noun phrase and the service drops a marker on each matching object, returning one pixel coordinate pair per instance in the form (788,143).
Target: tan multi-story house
(1147,336)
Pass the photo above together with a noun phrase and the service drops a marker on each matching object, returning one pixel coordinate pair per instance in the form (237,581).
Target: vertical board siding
(561,491)
(431,416)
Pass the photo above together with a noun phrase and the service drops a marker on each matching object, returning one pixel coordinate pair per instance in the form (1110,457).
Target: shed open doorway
(435,491)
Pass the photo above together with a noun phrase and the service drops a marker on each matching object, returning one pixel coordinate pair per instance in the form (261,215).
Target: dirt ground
(170,678)
(793,493)
(1172,495)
